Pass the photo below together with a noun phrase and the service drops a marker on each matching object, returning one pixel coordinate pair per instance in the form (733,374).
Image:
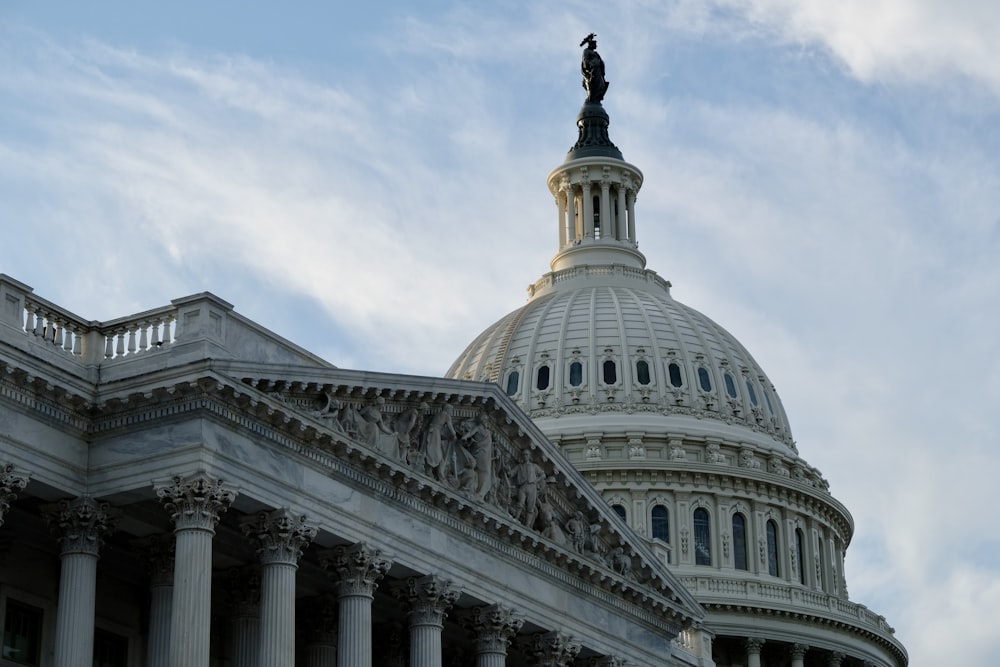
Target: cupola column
(630,207)
(561,198)
(798,654)
(356,570)
(571,225)
(607,224)
(622,230)
(588,209)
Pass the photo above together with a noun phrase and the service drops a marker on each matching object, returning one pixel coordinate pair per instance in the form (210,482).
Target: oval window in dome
(575,374)
(642,371)
(703,379)
(730,385)
(512,381)
(610,372)
(543,378)
(752,393)
(674,370)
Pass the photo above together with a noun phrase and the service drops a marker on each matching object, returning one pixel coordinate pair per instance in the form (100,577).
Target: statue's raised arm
(592,67)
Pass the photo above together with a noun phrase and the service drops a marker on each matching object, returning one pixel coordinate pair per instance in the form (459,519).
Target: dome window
(752,393)
(512,381)
(740,542)
(642,371)
(772,548)
(730,385)
(619,510)
(674,371)
(543,378)
(801,553)
(702,538)
(661,523)
(610,372)
(575,374)
(703,379)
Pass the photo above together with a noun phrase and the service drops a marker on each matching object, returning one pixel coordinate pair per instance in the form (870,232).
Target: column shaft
(607,224)
(621,220)
(245,641)
(354,640)
(191,615)
(588,212)
(574,233)
(561,206)
(277,614)
(158,644)
(75,615)
(321,655)
(425,644)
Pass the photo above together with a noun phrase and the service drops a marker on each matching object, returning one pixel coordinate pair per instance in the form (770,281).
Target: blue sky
(822,179)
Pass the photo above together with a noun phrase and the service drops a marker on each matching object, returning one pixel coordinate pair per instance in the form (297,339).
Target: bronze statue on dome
(592,67)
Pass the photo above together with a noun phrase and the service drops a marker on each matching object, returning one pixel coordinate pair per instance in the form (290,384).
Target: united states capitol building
(605,477)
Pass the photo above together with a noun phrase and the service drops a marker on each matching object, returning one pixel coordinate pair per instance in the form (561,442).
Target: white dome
(596,341)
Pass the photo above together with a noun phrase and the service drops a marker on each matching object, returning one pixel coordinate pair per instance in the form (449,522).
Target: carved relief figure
(371,425)
(330,412)
(619,562)
(578,530)
(592,68)
(406,427)
(439,431)
(550,527)
(481,449)
(529,479)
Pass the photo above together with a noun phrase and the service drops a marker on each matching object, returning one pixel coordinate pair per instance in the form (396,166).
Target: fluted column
(621,219)
(11,482)
(753,646)
(834,658)
(798,654)
(630,206)
(428,600)
(195,504)
(159,553)
(280,538)
(244,615)
(553,649)
(607,224)
(574,233)
(561,207)
(81,524)
(320,621)
(494,626)
(588,210)
(356,570)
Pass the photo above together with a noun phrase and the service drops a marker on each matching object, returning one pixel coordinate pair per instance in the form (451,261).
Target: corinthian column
(244,616)
(754,646)
(494,626)
(428,599)
(195,504)
(320,622)
(553,649)
(356,570)
(280,538)
(798,654)
(82,524)
(159,553)
(11,482)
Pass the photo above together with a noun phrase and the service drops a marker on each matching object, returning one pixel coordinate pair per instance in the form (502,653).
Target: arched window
(751,393)
(597,217)
(800,552)
(642,371)
(543,378)
(619,510)
(772,548)
(703,379)
(575,374)
(512,380)
(767,398)
(610,372)
(702,538)
(676,379)
(661,523)
(730,385)
(739,542)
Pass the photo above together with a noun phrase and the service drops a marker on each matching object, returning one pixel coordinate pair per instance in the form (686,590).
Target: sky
(821,178)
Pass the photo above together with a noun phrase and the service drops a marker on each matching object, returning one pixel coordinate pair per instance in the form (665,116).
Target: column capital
(280,536)
(356,568)
(428,598)
(11,482)
(553,649)
(798,651)
(158,551)
(834,658)
(195,502)
(81,524)
(753,645)
(495,626)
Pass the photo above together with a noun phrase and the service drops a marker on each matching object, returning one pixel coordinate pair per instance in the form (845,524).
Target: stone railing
(90,342)
(725,590)
(550,279)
